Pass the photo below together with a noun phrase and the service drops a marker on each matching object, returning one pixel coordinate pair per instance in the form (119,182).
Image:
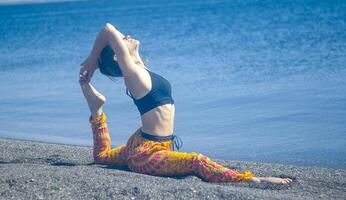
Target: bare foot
(94,98)
(274,180)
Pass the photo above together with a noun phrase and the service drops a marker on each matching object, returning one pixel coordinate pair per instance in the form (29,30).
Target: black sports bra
(160,94)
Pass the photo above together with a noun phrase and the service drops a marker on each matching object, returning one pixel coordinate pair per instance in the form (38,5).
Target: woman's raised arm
(108,35)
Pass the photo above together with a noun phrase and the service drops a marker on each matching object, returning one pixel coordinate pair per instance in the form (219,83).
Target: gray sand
(34,170)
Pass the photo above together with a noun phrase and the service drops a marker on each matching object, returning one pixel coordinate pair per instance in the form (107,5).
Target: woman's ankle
(97,118)
(96,114)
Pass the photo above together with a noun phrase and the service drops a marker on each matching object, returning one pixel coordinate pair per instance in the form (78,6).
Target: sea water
(261,81)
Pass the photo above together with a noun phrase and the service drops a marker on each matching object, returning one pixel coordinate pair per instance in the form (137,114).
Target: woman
(149,149)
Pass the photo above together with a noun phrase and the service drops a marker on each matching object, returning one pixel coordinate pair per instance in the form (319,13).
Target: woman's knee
(100,159)
(100,156)
(134,167)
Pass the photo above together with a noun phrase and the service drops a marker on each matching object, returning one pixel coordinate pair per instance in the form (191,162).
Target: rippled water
(252,80)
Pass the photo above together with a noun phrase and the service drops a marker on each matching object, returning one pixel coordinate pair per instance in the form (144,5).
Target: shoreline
(243,161)
(39,170)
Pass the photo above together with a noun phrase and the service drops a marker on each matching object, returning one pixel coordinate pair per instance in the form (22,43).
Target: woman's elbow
(108,27)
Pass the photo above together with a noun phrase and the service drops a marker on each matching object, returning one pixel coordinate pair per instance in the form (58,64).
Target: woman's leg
(172,163)
(102,151)
(156,158)
(103,154)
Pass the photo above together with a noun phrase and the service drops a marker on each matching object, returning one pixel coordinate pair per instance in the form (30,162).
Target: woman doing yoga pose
(150,150)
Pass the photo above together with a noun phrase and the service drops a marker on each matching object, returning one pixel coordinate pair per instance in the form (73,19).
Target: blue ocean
(253,80)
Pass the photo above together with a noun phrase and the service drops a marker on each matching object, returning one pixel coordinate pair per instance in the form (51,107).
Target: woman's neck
(137,59)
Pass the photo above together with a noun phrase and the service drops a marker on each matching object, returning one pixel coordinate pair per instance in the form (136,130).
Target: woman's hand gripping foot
(87,69)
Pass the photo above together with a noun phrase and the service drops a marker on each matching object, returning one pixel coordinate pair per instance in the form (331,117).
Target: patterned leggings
(157,158)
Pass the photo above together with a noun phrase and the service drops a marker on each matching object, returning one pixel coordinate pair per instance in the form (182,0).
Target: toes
(286,181)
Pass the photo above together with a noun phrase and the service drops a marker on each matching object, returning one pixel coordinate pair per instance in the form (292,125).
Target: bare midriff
(159,121)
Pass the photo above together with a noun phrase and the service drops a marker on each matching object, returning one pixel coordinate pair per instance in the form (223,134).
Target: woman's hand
(83,76)
(87,69)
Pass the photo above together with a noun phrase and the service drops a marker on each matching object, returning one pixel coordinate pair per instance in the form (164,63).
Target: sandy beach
(35,170)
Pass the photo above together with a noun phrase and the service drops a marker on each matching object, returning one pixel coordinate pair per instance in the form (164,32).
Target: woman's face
(131,43)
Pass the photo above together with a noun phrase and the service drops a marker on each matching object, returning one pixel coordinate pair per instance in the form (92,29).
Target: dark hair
(107,65)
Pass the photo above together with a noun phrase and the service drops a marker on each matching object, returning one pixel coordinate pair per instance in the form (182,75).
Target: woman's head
(108,64)
(132,44)
(108,60)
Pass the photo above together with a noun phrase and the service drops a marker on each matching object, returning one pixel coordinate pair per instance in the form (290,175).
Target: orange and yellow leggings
(157,158)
